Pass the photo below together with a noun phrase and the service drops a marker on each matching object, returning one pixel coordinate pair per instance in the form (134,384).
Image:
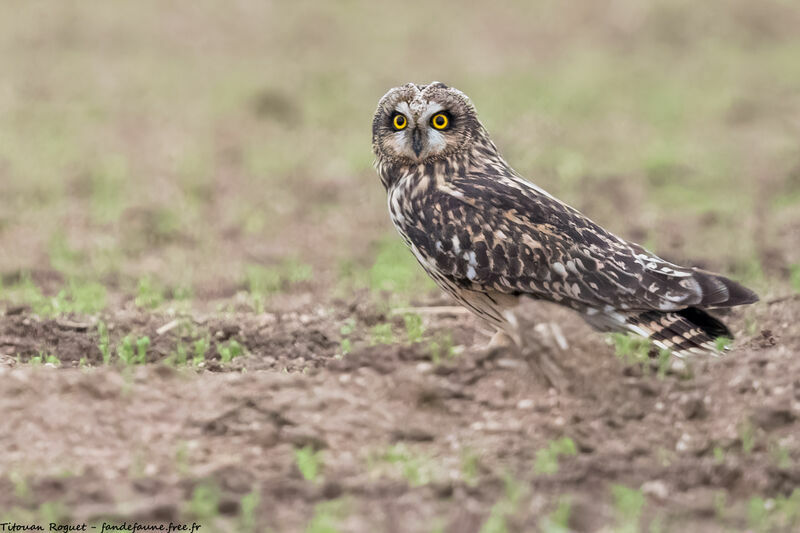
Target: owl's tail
(689,331)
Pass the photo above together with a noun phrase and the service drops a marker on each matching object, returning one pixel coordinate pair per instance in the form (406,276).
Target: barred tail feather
(689,331)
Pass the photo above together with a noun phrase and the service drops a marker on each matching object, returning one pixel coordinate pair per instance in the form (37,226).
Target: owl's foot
(500,339)
(545,352)
(500,343)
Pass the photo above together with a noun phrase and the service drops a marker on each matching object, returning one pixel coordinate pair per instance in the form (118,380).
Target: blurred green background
(154,151)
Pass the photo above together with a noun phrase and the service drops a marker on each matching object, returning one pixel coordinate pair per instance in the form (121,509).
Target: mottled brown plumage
(489,237)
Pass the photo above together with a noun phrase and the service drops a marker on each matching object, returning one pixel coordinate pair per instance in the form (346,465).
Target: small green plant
(80,297)
(327,515)
(720,504)
(381,334)
(469,468)
(416,468)
(204,504)
(547,458)
(719,455)
(45,358)
(309,462)
(722,344)
(504,507)
(43,514)
(248,507)
(103,342)
(182,458)
(346,330)
(201,347)
(148,294)
(230,350)
(631,349)
(414,327)
(396,272)
(178,356)
(780,455)
(75,297)
(558,520)
(22,489)
(133,352)
(794,277)
(263,281)
(142,344)
(664,361)
(747,435)
(628,506)
(774,514)
(441,348)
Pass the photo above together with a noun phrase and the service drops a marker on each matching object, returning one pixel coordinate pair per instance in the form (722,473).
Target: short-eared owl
(488,237)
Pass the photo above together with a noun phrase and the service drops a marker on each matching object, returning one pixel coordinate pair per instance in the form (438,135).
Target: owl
(490,238)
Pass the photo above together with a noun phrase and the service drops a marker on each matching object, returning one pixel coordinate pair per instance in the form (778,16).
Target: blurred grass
(187,143)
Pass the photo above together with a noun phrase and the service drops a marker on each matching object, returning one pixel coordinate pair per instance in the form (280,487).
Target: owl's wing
(507,235)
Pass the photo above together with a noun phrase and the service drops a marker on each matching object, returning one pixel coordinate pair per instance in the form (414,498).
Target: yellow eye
(440,121)
(399,122)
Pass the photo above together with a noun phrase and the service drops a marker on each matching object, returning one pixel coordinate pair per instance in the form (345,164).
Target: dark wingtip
(719,291)
(710,325)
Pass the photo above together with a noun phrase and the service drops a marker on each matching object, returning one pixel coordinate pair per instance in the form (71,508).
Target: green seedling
(178,356)
(781,456)
(794,277)
(43,358)
(148,295)
(309,463)
(230,350)
(83,298)
(720,504)
(504,507)
(547,458)
(747,435)
(103,342)
(22,489)
(204,504)
(395,271)
(263,281)
(201,347)
(326,518)
(415,468)
(664,362)
(719,455)
(381,334)
(441,348)
(414,327)
(469,468)
(346,346)
(182,458)
(133,352)
(75,297)
(248,508)
(631,349)
(722,344)
(628,506)
(558,520)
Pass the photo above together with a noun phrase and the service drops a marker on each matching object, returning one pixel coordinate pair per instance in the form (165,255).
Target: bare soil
(136,444)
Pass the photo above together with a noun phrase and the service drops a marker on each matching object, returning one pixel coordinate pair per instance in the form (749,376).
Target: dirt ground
(697,446)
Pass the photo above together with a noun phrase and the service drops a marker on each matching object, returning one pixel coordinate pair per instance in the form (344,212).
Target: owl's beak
(416,141)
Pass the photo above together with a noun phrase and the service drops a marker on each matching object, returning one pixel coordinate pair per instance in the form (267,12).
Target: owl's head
(418,123)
